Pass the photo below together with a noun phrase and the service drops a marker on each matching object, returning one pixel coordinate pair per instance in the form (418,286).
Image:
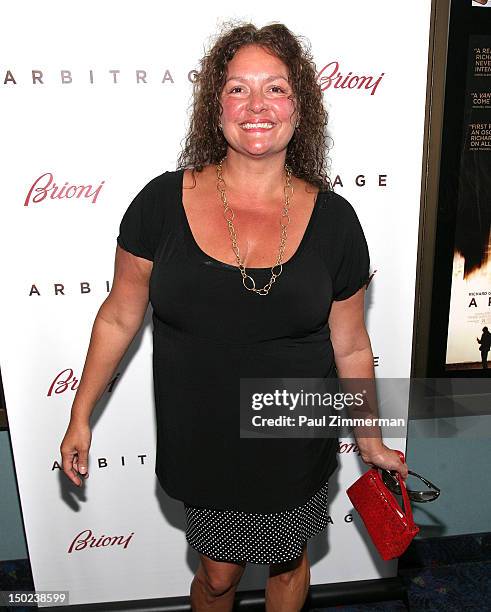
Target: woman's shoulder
(155,197)
(334,202)
(335,208)
(328,200)
(169,179)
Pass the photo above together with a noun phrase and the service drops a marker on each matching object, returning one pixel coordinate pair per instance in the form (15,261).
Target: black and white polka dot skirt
(277,537)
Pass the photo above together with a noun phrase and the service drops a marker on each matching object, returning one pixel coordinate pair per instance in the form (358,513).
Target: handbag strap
(407,504)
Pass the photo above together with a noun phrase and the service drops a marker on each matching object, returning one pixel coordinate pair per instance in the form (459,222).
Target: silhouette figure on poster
(485,345)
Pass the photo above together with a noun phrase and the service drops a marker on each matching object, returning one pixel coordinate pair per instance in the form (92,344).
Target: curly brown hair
(307,150)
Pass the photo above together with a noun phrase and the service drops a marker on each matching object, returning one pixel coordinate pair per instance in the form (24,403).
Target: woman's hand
(387,459)
(75,451)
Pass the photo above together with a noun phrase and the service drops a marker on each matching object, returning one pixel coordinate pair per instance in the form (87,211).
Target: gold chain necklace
(288,192)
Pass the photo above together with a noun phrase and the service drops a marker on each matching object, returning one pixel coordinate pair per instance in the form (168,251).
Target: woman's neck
(254,179)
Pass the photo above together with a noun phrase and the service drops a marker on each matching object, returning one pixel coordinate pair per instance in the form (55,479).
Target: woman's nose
(257,102)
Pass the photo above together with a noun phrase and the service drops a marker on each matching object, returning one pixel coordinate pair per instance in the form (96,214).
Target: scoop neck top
(230,267)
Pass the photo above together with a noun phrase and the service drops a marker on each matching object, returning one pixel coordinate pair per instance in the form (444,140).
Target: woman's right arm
(118,320)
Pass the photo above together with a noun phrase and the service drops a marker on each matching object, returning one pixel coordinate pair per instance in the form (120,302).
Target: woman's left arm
(354,359)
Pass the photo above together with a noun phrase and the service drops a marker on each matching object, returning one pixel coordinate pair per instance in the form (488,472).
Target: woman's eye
(239,88)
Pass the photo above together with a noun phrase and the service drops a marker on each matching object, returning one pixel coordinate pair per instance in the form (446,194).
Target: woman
(225,308)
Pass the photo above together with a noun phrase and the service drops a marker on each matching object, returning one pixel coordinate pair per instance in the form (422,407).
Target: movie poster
(469,329)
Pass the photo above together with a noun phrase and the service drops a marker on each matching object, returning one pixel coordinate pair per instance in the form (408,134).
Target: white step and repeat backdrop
(97,95)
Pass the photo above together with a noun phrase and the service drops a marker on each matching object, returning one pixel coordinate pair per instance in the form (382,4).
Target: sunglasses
(391,481)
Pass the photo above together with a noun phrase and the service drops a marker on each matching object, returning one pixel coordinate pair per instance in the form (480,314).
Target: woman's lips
(257,127)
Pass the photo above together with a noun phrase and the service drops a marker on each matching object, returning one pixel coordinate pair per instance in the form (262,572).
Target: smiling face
(258,115)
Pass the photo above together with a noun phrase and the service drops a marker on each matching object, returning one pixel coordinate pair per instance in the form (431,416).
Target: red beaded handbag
(390,528)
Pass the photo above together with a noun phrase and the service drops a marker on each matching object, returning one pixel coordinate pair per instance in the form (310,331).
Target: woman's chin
(260,151)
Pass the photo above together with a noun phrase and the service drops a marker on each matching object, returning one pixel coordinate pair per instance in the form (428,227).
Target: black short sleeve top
(209,331)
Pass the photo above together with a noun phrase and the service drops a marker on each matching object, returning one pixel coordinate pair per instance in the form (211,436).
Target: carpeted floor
(450,574)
